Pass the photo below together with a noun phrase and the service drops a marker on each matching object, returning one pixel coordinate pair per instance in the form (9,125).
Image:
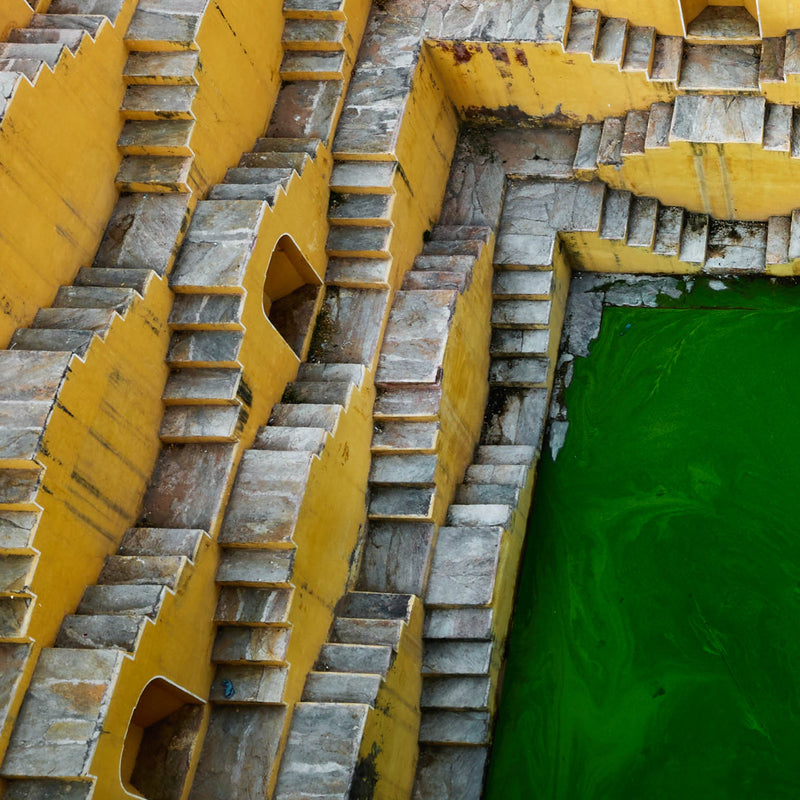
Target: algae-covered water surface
(655,650)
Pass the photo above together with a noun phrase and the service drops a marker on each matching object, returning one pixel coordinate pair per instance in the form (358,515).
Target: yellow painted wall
(523,79)
(240,56)
(58,149)
(13,14)
(98,451)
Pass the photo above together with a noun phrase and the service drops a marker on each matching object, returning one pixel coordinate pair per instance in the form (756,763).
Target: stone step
(101,632)
(314,34)
(418,403)
(16,67)
(83,22)
(201,423)
(175,68)
(309,371)
(361,209)
(47,53)
(694,238)
(510,342)
(310,440)
(374,605)
(642,222)
(266,192)
(19,487)
(367,241)
(389,502)
(778,240)
(359,273)
(93,297)
(204,387)
(669,227)
(305,65)
(236,644)
(341,687)
(266,177)
(154,173)
(444,263)
(639,50)
(309,415)
(526,371)
(611,41)
(204,348)
(16,571)
(246,683)
(427,280)
(458,233)
(250,567)
(159,570)
(245,605)
(445,247)
(521,313)
(351,630)
(635,134)
(86,319)
(69,692)
(791,64)
(74,341)
(771,65)
(456,692)
(362,658)
(156,137)
(659,125)
(274,160)
(487,493)
(363,177)
(479,514)
(157,29)
(122,600)
(158,102)
(778,123)
(522,284)
(610,149)
(667,58)
(14,616)
(279,144)
(322,733)
(447,656)
(161,542)
(313,9)
(17,529)
(207,312)
(584,28)
(794,236)
(462,624)
(719,68)
(724,24)
(454,727)
(400,436)
(736,246)
(504,454)
(588,149)
(66,37)
(318,392)
(49,789)
(616,213)
(402,470)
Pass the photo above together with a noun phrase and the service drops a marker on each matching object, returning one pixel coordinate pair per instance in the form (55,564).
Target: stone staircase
(45,42)
(715,246)
(255,574)
(157,107)
(317,44)
(348,684)
(360,211)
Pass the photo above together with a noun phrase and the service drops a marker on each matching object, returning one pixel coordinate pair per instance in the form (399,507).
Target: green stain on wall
(655,651)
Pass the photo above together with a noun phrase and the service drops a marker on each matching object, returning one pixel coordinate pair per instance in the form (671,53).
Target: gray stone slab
(633,140)
(305,109)
(122,599)
(17,529)
(521,313)
(402,435)
(458,623)
(456,692)
(667,59)
(588,146)
(202,310)
(616,212)
(246,605)
(250,567)
(327,735)
(248,683)
(735,247)
(583,30)
(396,557)
(610,149)
(668,231)
(454,727)
(611,41)
(49,790)
(463,566)
(142,570)
(778,128)
(658,126)
(446,656)
(450,772)
(341,687)
(204,348)
(694,239)
(642,222)
(778,238)
(519,371)
(717,119)
(405,470)
(367,631)
(258,645)
(639,50)
(504,455)
(519,342)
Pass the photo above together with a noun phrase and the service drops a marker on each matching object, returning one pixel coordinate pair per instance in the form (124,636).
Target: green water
(655,650)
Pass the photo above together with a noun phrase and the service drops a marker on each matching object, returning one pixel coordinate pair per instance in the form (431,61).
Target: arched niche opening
(158,744)
(292,293)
